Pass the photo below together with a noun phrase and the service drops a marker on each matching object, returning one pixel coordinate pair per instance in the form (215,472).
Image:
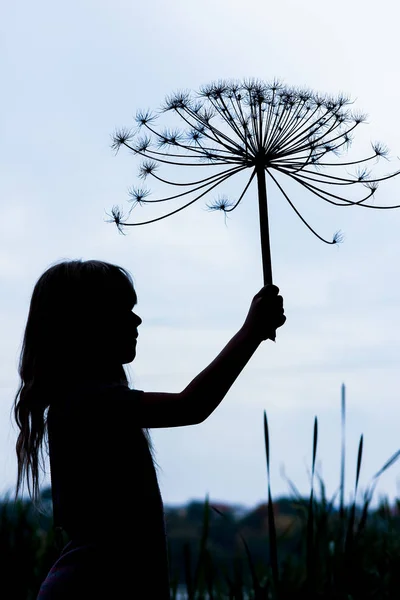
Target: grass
(343,554)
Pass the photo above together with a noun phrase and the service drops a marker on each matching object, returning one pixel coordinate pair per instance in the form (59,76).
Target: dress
(106,497)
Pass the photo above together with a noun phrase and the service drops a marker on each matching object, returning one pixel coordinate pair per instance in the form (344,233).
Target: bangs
(125,288)
(107,284)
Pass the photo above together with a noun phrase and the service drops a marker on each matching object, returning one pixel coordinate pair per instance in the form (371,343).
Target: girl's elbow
(191,407)
(201,418)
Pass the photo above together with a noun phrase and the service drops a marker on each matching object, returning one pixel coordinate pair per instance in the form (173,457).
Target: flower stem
(264,230)
(264,226)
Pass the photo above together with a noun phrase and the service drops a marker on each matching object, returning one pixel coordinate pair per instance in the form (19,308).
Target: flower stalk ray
(273,130)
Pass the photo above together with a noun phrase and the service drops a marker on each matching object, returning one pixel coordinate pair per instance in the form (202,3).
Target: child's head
(80,321)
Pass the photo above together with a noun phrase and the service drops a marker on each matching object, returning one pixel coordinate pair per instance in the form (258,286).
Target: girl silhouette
(74,394)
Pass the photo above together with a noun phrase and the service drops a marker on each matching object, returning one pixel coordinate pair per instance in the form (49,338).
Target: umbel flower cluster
(269,129)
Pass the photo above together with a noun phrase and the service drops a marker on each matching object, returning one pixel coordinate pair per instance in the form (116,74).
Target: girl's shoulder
(94,397)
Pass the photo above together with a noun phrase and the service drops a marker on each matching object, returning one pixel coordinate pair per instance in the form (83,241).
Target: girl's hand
(266,313)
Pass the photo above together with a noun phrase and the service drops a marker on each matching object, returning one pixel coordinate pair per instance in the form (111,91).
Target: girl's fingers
(268,290)
(281,321)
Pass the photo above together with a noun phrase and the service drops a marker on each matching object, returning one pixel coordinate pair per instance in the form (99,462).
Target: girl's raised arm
(204,393)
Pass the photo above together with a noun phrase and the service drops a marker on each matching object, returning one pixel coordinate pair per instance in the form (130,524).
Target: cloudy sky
(74,71)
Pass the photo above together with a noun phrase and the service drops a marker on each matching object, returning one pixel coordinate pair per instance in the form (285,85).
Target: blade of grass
(342,515)
(295,492)
(322,489)
(387,464)
(350,527)
(370,491)
(273,549)
(364,514)
(310,520)
(343,451)
(333,500)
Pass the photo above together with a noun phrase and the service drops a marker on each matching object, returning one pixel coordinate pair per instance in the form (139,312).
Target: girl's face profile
(116,332)
(125,333)
(130,336)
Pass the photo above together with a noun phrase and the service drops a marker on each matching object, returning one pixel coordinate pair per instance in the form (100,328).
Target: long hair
(62,332)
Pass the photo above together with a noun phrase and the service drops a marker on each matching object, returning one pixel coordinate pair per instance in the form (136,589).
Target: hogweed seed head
(147,168)
(117,218)
(222,203)
(121,137)
(138,195)
(338,237)
(275,131)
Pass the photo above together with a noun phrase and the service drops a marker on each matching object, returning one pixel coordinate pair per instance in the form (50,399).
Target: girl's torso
(105,492)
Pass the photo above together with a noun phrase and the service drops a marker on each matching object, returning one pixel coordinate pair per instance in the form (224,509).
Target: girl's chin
(129,356)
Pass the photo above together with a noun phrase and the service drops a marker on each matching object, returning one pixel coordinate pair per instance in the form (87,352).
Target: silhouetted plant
(268,128)
(334,561)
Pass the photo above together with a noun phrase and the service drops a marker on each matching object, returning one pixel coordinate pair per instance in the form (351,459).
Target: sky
(75,71)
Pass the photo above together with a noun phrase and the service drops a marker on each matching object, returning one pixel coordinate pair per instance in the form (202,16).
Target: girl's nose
(138,320)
